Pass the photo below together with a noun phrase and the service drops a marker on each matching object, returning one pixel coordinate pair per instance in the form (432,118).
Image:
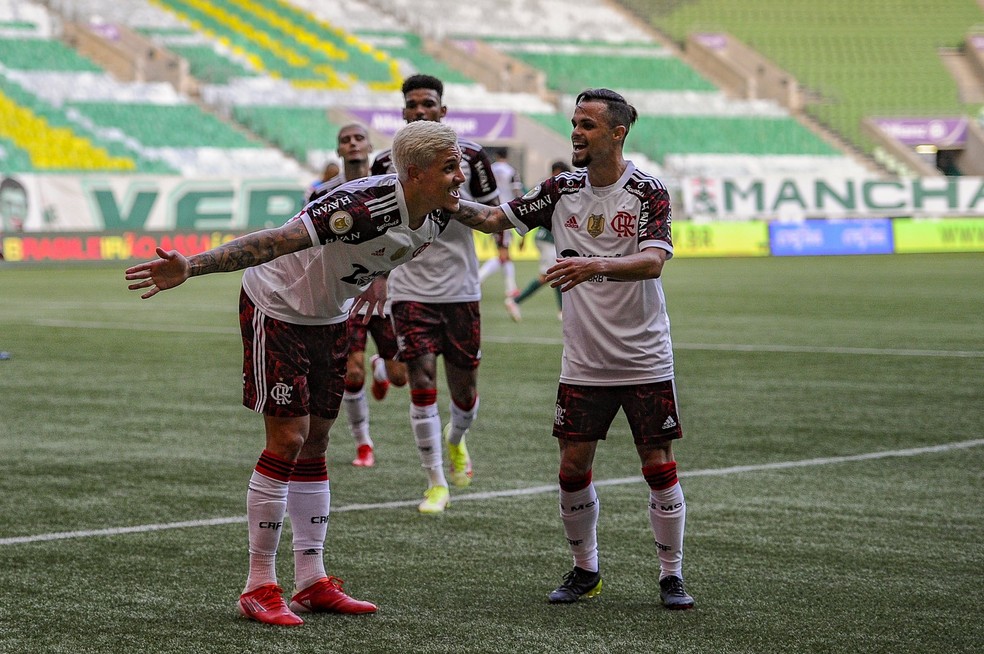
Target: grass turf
(118,413)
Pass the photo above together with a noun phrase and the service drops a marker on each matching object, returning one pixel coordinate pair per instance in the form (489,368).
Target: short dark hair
(559,166)
(619,111)
(415,82)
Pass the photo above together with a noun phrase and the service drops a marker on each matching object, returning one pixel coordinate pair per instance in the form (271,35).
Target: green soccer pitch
(833,411)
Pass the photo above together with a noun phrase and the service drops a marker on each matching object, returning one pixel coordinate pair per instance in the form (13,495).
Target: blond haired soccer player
(300,282)
(354,149)
(436,312)
(611,223)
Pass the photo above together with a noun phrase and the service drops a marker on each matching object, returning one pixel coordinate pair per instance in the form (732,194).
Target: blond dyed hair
(419,142)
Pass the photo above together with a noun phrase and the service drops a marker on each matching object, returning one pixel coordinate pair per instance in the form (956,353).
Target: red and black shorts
(381,330)
(585,413)
(453,330)
(291,370)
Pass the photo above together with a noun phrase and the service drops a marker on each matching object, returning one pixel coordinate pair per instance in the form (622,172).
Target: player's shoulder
(357,211)
(569,182)
(470,149)
(641,183)
(358,191)
(382,162)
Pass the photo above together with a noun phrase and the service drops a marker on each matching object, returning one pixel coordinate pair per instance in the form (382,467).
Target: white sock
(425,421)
(667,517)
(379,369)
(579,512)
(509,271)
(308,504)
(461,421)
(357,411)
(266,505)
(489,267)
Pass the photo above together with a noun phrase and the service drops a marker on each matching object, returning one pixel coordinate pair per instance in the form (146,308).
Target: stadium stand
(68,114)
(279,69)
(856,59)
(288,42)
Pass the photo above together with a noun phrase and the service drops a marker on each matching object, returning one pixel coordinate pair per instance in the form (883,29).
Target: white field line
(516,492)
(533,340)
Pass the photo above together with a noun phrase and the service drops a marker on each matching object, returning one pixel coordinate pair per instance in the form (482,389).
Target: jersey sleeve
(482,185)
(382,164)
(339,216)
(655,220)
(536,208)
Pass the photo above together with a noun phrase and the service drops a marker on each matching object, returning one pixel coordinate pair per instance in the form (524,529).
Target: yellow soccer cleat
(436,499)
(459,462)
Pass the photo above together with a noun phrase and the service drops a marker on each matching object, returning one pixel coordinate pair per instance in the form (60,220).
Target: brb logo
(280,393)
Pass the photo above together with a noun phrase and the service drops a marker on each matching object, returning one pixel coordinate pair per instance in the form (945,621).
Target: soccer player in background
(548,257)
(510,186)
(297,291)
(436,312)
(611,223)
(354,149)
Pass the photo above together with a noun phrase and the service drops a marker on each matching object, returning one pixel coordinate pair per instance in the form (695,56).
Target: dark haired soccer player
(436,312)
(297,292)
(611,223)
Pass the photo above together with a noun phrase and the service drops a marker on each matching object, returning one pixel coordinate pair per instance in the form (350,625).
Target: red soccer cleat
(364,457)
(266,604)
(326,596)
(379,388)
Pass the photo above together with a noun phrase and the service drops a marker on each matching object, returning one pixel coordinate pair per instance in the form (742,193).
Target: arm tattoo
(480,217)
(251,249)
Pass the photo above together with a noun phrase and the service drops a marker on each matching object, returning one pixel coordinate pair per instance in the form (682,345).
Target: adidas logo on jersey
(571,223)
(379,252)
(669,423)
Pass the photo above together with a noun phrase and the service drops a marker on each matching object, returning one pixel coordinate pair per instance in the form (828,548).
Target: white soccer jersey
(358,232)
(448,272)
(507,180)
(615,332)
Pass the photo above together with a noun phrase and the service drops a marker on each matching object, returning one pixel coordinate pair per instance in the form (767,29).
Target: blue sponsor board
(826,237)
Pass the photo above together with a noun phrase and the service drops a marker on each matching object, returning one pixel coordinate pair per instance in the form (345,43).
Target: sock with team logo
(308,504)
(266,505)
(425,421)
(357,411)
(461,421)
(667,516)
(579,510)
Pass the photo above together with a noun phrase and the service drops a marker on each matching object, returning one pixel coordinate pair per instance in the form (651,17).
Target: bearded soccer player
(611,223)
(436,312)
(300,283)
(354,149)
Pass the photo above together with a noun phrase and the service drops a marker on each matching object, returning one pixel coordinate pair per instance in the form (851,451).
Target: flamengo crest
(624,224)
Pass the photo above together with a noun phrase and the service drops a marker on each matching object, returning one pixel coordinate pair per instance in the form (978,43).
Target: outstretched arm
(482,218)
(172,268)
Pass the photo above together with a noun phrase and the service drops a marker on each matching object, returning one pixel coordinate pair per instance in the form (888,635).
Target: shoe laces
(267,595)
(674,586)
(571,579)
